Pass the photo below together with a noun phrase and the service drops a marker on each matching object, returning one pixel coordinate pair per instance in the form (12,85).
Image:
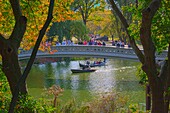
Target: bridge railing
(89,51)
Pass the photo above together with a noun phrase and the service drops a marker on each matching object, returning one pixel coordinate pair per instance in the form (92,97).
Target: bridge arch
(89,51)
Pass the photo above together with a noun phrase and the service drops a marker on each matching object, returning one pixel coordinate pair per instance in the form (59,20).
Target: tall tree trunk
(165,72)
(158,99)
(149,66)
(9,49)
(10,66)
(168,82)
(148,97)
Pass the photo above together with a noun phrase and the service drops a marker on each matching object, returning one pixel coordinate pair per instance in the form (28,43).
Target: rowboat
(82,70)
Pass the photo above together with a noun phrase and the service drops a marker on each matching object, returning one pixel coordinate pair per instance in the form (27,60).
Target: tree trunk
(168,82)
(148,97)
(158,99)
(10,66)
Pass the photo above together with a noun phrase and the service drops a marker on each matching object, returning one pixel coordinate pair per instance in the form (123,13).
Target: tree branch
(33,55)
(16,9)
(163,71)
(19,30)
(41,35)
(145,36)
(153,7)
(124,22)
(169,67)
(169,58)
(2,39)
(82,14)
(167,83)
(20,23)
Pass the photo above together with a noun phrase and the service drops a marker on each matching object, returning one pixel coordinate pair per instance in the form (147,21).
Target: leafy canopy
(160,23)
(84,8)
(68,29)
(36,13)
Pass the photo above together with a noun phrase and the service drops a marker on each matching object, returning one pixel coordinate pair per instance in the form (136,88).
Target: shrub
(5,94)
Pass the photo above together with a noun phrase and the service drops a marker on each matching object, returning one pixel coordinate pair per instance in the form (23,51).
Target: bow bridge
(88,51)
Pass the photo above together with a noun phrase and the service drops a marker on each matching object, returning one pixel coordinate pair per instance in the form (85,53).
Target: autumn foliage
(36,13)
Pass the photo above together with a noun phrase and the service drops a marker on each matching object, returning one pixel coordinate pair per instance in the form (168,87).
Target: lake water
(117,76)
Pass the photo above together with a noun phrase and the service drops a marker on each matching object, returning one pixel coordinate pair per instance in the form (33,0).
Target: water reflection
(118,75)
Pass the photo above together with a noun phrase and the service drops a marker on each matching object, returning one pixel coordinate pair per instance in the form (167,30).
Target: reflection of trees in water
(49,70)
(128,86)
(52,70)
(46,73)
(67,61)
(49,82)
(36,77)
(61,67)
(49,73)
(122,63)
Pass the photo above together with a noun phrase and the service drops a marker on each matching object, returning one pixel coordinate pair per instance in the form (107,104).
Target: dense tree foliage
(79,30)
(160,30)
(68,29)
(86,7)
(60,29)
(36,13)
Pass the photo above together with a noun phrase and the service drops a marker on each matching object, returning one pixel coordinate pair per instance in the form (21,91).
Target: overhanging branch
(126,25)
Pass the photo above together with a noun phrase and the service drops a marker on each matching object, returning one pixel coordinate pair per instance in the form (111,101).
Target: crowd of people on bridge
(116,43)
(92,42)
(119,43)
(70,42)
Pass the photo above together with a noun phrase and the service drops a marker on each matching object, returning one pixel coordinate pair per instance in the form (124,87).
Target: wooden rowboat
(82,70)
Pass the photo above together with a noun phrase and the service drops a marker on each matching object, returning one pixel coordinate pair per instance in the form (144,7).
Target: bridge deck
(89,51)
